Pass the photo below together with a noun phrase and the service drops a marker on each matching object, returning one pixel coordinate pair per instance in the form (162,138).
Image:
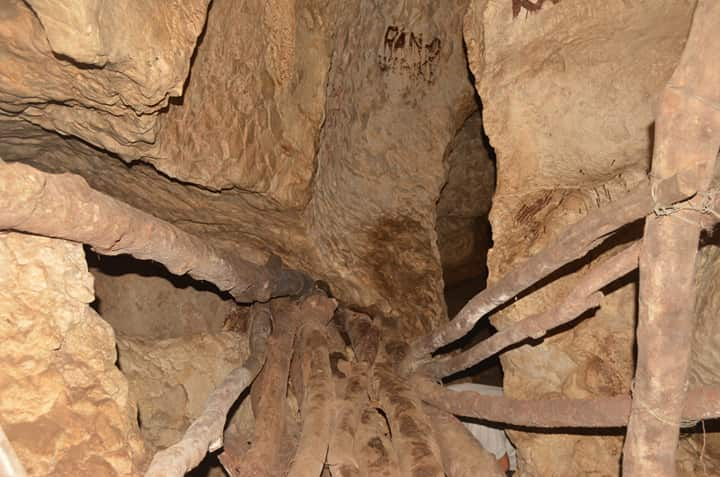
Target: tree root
(584,296)
(687,139)
(270,388)
(364,335)
(64,206)
(341,453)
(412,435)
(318,408)
(702,403)
(461,453)
(573,243)
(375,453)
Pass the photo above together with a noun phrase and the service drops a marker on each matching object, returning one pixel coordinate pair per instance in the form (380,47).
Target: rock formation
(240,157)
(172,378)
(351,140)
(569,96)
(64,404)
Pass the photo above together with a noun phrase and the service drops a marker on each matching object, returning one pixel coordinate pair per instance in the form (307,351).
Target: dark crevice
(464,282)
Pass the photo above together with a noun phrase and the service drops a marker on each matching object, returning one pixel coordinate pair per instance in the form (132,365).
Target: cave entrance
(464,234)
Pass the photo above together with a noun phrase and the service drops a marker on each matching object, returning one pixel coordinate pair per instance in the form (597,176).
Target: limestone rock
(396,97)
(171,379)
(704,368)
(63,404)
(355,207)
(699,451)
(568,94)
(100,71)
(471,174)
(251,115)
(140,299)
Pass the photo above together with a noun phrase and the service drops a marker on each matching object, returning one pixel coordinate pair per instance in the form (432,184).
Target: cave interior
(316,238)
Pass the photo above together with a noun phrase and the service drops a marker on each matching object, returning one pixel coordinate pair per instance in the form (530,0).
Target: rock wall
(240,159)
(141,299)
(250,117)
(101,71)
(172,378)
(699,452)
(568,93)
(255,101)
(398,93)
(63,404)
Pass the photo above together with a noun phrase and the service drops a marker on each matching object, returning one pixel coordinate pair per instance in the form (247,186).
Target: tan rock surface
(251,115)
(63,404)
(369,226)
(398,93)
(699,452)
(171,379)
(140,299)
(568,93)
(705,366)
(96,70)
